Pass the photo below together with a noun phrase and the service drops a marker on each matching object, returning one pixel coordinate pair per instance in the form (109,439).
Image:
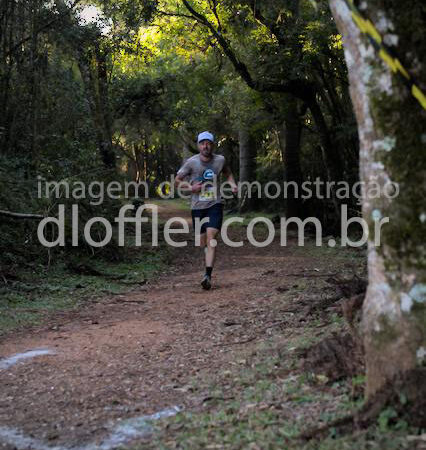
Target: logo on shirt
(208,175)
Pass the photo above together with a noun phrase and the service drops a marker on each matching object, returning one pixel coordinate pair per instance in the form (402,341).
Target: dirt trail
(136,354)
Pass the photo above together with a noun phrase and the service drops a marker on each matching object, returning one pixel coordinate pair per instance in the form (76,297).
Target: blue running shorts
(214,214)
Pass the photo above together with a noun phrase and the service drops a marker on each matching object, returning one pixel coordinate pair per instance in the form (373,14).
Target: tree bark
(390,124)
(104,106)
(248,152)
(291,157)
(34,87)
(84,57)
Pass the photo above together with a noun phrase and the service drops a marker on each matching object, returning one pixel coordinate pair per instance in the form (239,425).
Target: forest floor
(244,363)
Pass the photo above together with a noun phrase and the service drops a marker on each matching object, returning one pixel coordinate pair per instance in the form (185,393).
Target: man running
(203,171)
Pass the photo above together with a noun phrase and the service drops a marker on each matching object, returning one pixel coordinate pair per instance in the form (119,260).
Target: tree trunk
(248,152)
(390,124)
(334,162)
(104,106)
(97,105)
(291,157)
(186,153)
(34,88)
(6,66)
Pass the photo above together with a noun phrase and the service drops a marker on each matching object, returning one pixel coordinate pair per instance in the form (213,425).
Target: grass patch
(324,251)
(247,217)
(262,401)
(175,203)
(256,407)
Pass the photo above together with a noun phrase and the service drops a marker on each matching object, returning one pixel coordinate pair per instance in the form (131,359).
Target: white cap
(205,135)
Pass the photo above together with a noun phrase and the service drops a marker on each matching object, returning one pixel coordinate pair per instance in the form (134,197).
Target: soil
(129,355)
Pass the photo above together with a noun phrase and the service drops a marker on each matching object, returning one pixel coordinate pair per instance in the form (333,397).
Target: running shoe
(206,283)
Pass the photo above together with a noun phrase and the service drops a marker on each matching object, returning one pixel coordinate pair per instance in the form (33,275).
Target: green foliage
(132,90)
(385,418)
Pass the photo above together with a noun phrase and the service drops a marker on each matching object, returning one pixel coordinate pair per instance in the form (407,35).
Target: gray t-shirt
(206,172)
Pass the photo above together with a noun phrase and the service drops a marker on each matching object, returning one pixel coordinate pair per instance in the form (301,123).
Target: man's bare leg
(211,249)
(210,256)
(203,245)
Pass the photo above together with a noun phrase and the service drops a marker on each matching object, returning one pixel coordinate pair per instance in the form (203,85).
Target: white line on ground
(125,431)
(7,362)
(21,442)
(132,429)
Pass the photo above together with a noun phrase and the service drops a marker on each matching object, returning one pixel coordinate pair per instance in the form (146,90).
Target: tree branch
(165,13)
(270,25)
(238,65)
(15,215)
(300,88)
(214,9)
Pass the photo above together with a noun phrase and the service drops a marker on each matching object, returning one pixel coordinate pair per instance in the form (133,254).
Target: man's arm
(183,185)
(230,179)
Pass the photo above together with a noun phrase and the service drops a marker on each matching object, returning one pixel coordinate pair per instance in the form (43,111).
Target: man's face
(205,147)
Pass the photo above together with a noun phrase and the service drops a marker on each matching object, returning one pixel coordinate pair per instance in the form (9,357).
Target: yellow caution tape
(419,95)
(368,28)
(401,69)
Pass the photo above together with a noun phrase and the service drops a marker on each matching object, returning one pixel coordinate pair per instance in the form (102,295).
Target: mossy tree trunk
(392,147)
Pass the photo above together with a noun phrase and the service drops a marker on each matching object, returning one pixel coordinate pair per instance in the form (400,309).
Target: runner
(203,171)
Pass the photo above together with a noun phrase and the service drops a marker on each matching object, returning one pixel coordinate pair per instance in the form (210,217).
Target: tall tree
(391,130)
(247,157)
(291,156)
(92,62)
(283,22)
